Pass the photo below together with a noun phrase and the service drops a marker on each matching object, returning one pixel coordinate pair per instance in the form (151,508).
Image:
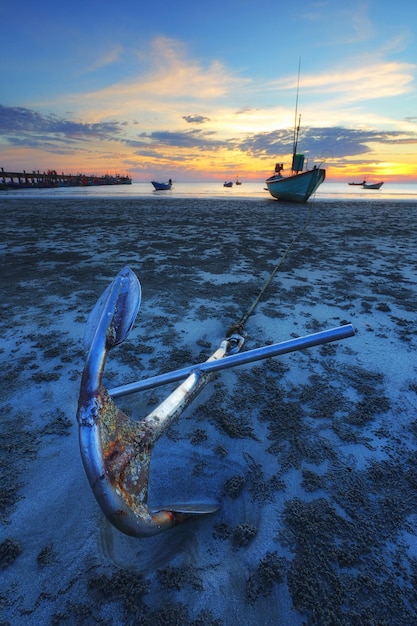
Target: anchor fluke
(193,509)
(116,450)
(115,311)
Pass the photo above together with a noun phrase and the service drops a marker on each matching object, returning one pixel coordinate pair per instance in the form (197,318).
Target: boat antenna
(297,127)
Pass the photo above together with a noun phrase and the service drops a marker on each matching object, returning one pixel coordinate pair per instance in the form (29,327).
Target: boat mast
(297,164)
(297,128)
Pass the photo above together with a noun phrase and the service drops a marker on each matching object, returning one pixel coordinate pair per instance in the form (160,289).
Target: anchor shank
(161,417)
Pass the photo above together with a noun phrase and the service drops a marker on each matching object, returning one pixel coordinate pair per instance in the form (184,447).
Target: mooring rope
(239,326)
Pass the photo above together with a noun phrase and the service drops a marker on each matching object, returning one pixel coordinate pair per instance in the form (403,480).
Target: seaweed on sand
(9,551)
(124,586)
(58,424)
(270,571)
(237,427)
(260,489)
(177,613)
(318,536)
(19,444)
(322,396)
(234,485)
(177,577)
(129,589)
(46,556)
(241,535)
(293,440)
(343,559)
(226,420)
(311,481)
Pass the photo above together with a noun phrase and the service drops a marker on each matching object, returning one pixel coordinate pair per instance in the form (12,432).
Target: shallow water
(205,190)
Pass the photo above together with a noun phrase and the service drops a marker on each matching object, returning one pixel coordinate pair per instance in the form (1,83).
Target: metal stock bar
(276,349)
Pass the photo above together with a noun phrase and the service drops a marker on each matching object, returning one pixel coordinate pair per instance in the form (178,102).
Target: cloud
(341,142)
(189,139)
(26,128)
(109,57)
(366,81)
(26,122)
(173,73)
(163,74)
(195,119)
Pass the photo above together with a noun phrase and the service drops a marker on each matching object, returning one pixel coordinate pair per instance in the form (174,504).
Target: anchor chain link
(238,327)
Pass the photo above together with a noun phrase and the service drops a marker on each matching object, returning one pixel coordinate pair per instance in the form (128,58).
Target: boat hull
(372,185)
(297,188)
(161,186)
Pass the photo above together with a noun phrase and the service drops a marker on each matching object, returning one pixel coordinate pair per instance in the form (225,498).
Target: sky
(208,91)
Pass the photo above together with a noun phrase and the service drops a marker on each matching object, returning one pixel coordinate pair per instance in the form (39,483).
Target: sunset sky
(207,91)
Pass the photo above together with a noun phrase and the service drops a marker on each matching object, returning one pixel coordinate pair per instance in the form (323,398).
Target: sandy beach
(312,456)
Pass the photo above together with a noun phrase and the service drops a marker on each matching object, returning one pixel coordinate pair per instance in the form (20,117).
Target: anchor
(115,449)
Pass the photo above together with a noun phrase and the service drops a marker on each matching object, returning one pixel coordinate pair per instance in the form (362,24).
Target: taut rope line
(239,326)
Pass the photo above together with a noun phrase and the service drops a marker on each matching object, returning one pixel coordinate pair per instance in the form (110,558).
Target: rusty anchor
(115,449)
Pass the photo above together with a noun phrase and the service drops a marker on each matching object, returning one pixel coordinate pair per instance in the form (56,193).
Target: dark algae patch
(178,577)
(124,587)
(327,577)
(269,572)
(9,551)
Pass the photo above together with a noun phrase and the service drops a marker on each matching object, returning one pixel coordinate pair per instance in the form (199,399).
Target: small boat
(358,184)
(162,186)
(237,181)
(300,185)
(229,184)
(372,185)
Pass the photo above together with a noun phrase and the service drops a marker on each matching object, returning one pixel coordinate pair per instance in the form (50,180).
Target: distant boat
(360,184)
(162,186)
(372,185)
(237,181)
(300,185)
(229,184)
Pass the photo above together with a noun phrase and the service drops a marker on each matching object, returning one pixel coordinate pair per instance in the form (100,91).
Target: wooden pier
(49,179)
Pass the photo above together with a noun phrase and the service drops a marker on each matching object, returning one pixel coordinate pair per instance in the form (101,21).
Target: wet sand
(312,456)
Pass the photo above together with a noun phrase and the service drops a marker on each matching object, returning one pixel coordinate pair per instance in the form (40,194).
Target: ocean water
(251,190)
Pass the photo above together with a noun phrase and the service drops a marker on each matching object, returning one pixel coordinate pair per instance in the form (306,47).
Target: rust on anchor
(126,447)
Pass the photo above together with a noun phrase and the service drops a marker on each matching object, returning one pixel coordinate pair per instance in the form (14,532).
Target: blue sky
(206,91)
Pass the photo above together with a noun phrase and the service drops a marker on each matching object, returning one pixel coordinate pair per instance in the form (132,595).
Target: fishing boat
(237,181)
(298,187)
(229,184)
(358,184)
(162,186)
(372,185)
(300,184)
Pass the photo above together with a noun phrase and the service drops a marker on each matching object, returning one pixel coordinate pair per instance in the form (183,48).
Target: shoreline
(311,455)
(327,192)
